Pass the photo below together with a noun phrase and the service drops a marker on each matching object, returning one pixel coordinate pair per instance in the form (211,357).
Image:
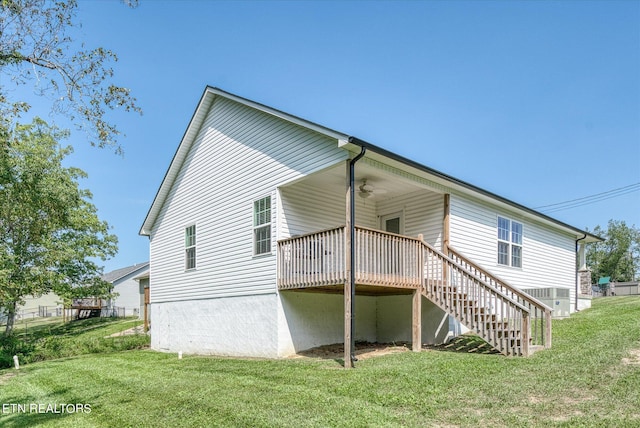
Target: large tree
(50,233)
(618,257)
(37,48)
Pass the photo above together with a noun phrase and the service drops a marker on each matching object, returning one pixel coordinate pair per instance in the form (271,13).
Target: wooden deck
(387,264)
(361,290)
(317,260)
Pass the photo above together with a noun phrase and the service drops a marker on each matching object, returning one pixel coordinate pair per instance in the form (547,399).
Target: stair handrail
(499,281)
(547,337)
(442,296)
(477,278)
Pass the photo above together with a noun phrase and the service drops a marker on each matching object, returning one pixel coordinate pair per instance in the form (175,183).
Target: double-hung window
(509,242)
(190,247)
(262,226)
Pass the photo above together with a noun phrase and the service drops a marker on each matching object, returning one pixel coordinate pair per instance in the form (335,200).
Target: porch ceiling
(383,184)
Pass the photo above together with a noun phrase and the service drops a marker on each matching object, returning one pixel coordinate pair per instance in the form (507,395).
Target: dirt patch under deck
(362,350)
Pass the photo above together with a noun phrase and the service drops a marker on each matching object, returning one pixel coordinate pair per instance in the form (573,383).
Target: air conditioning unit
(558,299)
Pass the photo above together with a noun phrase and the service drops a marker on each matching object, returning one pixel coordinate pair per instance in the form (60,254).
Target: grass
(51,339)
(589,378)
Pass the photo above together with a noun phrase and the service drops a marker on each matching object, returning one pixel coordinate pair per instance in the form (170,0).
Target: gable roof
(200,114)
(345,141)
(118,274)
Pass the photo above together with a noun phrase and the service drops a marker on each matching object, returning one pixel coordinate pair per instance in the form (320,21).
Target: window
(392,223)
(262,226)
(509,242)
(190,247)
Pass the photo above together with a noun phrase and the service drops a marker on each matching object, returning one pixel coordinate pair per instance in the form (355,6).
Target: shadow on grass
(466,343)
(70,328)
(69,339)
(362,351)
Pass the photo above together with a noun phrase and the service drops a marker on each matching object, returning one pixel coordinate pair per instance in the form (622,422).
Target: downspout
(352,234)
(578,271)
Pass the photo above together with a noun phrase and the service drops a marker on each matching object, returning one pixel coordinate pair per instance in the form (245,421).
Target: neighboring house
(129,282)
(250,249)
(47,305)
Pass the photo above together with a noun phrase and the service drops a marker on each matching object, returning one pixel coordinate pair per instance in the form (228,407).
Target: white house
(129,283)
(46,305)
(255,249)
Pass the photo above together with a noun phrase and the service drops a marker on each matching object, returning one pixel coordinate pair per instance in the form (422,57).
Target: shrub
(11,345)
(71,339)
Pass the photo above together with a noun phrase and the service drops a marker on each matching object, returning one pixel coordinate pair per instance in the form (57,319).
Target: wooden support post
(347,283)
(445,225)
(446,237)
(525,334)
(350,282)
(146,309)
(417,320)
(547,333)
(417,299)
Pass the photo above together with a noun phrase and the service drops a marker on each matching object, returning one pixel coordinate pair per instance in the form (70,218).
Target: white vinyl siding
(308,209)
(423,213)
(238,154)
(548,259)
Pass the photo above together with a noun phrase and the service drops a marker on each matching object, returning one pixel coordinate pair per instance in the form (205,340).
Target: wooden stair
(511,321)
(500,314)
(499,333)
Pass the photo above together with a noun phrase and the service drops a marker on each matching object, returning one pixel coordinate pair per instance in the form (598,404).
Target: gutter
(463,184)
(352,221)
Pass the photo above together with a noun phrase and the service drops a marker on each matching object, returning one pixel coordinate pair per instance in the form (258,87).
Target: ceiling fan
(367,190)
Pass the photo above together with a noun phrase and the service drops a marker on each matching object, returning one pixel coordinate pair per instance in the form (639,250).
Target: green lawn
(50,338)
(591,377)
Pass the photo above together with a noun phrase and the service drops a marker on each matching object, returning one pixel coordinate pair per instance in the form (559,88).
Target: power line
(591,199)
(635,185)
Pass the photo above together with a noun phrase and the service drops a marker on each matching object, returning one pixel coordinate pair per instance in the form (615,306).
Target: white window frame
(510,242)
(190,247)
(259,226)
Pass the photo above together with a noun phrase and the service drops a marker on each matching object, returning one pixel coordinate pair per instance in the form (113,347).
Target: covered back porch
(400,247)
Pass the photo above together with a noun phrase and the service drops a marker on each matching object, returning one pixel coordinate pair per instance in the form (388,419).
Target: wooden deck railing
(540,314)
(506,317)
(387,259)
(312,260)
(317,259)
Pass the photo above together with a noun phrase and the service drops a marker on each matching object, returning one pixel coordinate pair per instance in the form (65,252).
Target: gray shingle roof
(115,275)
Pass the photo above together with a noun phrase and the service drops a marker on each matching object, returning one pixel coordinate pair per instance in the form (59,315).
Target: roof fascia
(142,276)
(176,163)
(142,267)
(472,190)
(344,141)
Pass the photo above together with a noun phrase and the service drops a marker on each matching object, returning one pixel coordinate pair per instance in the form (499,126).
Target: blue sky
(538,102)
